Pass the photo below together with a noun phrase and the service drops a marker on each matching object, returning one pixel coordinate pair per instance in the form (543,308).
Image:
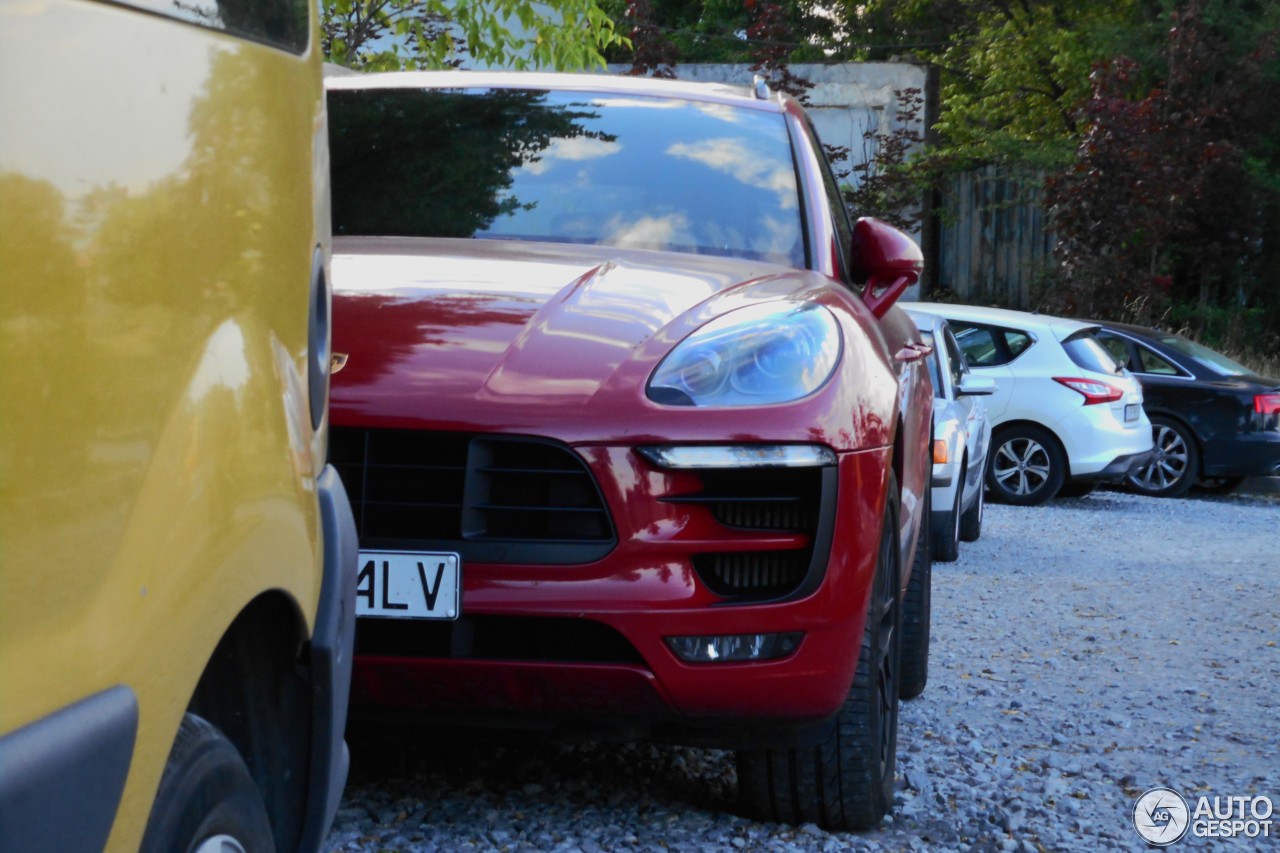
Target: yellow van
(176,611)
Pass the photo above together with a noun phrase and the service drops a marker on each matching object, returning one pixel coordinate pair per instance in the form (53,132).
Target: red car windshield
(608,169)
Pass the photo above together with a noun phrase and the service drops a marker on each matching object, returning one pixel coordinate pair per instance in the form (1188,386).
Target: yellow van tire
(206,795)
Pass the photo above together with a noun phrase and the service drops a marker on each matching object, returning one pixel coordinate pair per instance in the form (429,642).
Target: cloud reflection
(733,157)
(572,150)
(647,231)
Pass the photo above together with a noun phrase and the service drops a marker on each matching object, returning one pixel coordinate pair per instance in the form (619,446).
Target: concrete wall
(847,100)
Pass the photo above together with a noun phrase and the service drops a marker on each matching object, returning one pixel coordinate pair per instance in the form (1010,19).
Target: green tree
(468,164)
(1171,205)
(382,35)
(1013,72)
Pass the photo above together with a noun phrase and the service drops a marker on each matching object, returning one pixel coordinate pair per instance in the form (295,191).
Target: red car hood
(498,334)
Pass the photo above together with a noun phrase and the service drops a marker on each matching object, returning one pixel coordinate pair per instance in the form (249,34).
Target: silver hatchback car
(961,437)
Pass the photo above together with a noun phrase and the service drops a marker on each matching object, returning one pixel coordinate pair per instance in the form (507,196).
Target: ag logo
(1161,816)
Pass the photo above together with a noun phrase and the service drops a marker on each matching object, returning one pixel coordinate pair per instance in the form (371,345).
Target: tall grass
(1250,336)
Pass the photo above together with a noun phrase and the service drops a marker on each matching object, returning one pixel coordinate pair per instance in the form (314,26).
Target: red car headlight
(774,352)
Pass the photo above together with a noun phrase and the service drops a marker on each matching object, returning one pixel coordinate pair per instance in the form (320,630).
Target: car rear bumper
(1254,454)
(1100,446)
(1120,467)
(590,640)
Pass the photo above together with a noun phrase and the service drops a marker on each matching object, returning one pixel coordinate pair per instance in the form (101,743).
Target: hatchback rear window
(1088,354)
(1117,347)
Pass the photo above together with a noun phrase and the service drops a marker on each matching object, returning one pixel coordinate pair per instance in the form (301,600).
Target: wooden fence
(994,244)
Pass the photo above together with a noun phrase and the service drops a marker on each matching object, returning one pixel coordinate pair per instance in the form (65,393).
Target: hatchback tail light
(1267,404)
(1092,390)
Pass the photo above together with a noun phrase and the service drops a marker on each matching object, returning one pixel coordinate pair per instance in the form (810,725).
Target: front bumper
(589,639)
(946,480)
(332,653)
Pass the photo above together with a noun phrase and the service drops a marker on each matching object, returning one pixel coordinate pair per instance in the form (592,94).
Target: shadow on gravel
(1097,502)
(1117,499)
(524,769)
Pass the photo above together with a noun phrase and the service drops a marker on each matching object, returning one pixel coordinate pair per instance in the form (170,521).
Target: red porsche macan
(635,437)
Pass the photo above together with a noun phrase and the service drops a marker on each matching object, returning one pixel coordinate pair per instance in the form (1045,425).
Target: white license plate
(1131,411)
(409,585)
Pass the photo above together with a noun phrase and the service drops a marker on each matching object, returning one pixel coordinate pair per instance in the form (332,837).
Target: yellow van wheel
(207,800)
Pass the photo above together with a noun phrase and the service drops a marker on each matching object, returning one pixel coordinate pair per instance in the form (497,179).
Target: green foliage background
(1163,183)
(386,35)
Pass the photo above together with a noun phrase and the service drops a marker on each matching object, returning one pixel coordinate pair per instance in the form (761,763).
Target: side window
(1118,348)
(934,372)
(1150,362)
(978,343)
(280,23)
(1017,342)
(990,346)
(954,356)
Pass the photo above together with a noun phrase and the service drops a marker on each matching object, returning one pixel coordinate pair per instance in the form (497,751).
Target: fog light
(735,647)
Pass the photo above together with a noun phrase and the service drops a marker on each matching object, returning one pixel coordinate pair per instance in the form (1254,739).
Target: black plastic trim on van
(62,776)
(332,652)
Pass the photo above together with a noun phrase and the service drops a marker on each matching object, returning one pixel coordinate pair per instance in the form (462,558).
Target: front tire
(917,605)
(946,536)
(1176,464)
(1027,467)
(971,520)
(845,781)
(207,801)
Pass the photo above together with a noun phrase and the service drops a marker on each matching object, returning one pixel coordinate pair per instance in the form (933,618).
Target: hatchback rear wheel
(1027,466)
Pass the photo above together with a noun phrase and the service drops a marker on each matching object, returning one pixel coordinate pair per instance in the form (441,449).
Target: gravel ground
(1082,653)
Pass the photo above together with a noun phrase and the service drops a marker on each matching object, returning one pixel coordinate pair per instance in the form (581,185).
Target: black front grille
(780,500)
(764,573)
(491,499)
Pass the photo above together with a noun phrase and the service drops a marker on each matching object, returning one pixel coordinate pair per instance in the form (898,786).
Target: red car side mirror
(888,259)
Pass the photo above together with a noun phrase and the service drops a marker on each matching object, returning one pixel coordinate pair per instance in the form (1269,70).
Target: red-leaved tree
(1163,205)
